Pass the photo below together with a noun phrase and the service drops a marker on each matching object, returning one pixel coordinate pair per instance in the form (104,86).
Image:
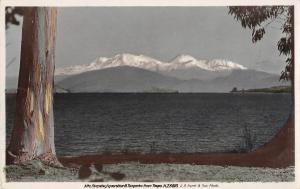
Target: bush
(248,140)
(152,148)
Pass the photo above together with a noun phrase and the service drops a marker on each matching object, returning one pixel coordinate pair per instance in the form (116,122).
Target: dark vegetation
(11,14)
(275,89)
(278,89)
(258,18)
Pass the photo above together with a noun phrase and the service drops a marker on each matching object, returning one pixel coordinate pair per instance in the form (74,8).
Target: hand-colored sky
(162,33)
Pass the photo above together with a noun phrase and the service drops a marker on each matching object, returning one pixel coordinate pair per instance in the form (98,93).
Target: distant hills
(118,79)
(275,89)
(131,79)
(132,73)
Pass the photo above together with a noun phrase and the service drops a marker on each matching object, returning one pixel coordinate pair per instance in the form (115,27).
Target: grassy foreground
(35,171)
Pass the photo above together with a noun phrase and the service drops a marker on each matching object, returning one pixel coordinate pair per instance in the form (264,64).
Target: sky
(85,33)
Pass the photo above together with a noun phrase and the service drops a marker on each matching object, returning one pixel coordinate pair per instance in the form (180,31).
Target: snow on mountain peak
(181,62)
(187,61)
(218,64)
(184,58)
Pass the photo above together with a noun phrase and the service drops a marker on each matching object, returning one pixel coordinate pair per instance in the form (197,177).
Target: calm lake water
(112,123)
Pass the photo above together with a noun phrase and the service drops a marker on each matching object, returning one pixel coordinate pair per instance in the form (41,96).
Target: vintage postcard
(149,94)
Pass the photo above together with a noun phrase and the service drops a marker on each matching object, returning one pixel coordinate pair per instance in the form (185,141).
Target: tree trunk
(33,131)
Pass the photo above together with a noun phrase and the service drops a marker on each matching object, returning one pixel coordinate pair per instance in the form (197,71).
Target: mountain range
(182,66)
(139,73)
(132,79)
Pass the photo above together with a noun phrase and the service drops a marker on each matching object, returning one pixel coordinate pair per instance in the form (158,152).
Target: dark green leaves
(257,34)
(258,18)
(10,15)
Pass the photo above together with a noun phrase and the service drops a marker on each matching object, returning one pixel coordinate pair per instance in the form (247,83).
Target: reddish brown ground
(278,153)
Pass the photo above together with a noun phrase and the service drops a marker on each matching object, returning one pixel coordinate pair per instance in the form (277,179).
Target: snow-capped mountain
(132,79)
(187,61)
(182,62)
(138,73)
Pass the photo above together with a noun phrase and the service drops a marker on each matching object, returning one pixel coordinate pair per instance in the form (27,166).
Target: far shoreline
(239,92)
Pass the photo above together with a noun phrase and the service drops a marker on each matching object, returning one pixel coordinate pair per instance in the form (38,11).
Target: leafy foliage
(11,14)
(258,18)
(249,140)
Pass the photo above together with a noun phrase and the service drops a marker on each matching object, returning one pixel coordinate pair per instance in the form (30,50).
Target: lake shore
(278,153)
(35,171)
(272,162)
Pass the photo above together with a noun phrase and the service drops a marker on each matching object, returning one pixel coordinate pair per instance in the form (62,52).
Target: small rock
(84,172)
(117,176)
(98,167)
(42,172)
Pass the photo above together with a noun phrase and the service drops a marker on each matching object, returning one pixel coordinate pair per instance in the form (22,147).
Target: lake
(90,123)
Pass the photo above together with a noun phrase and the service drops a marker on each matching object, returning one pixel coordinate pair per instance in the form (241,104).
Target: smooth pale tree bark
(33,131)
